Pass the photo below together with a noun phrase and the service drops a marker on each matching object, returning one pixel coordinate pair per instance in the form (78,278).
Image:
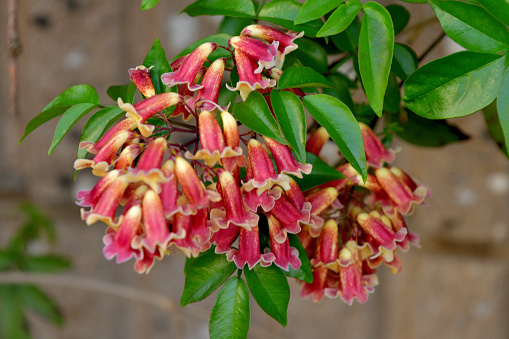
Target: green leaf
(157,57)
(341,18)
(124,92)
(255,114)
(33,297)
(454,86)
(284,12)
(226,96)
(70,97)
(503,108)
(498,8)
(220,39)
(6,260)
(292,119)
(99,123)
(205,275)
(68,120)
(341,125)
(270,289)
(320,174)
(46,263)
(376,44)
(314,9)
(400,17)
(13,324)
(471,26)
(425,132)
(341,89)
(304,273)
(238,8)
(492,119)
(232,25)
(148,4)
(404,61)
(312,54)
(298,77)
(230,316)
(348,40)
(392,98)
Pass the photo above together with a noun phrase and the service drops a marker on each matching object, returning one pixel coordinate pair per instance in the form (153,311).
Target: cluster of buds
(365,225)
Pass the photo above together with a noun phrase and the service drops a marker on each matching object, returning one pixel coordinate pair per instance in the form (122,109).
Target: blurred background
(455,286)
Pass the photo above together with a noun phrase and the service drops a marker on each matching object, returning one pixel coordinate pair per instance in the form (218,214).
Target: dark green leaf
(148,4)
(400,17)
(298,77)
(304,273)
(498,8)
(494,127)
(320,174)
(312,54)
(226,96)
(255,114)
(98,123)
(6,260)
(314,9)
(341,89)
(404,61)
(292,119)
(454,86)
(220,39)
(392,98)
(238,8)
(68,120)
(291,60)
(230,316)
(341,18)
(37,300)
(13,324)
(124,92)
(425,132)
(71,96)
(283,13)
(46,263)
(348,40)
(471,26)
(233,26)
(205,275)
(270,289)
(503,108)
(157,57)
(376,44)
(341,125)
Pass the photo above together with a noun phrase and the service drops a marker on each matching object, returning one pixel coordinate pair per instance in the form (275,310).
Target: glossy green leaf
(400,17)
(70,97)
(298,77)
(237,8)
(99,123)
(269,287)
(426,133)
(392,98)
(454,86)
(348,40)
(230,316)
(341,89)
(220,39)
(148,4)
(471,26)
(498,8)
(503,108)
(404,61)
(157,57)
(124,92)
(205,275)
(226,96)
(292,119)
(255,114)
(320,174)
(376,44)
(46,263)
(492,119)
(312,54)
(314,9)
(33,297)
(341,125)
(284,12)
(13,323)
(341,18)
(68,120)
(232,25)
(304,272)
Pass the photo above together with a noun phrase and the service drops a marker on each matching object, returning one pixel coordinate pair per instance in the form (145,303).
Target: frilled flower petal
(398,223)
(224,238)
(211,83)
(284,254)
(264,54)
(146,108)
(191,65)
(249,249)
(232,138)
(89,198)
(126,124)
(156,233)
(147,261)
(107,205)
(211,140)
(285,162)
(318,286)
(169,190)
(326,253)
(317,140)
(118,243)
(376,153)
(142,80)
(183,236)
(289,217)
